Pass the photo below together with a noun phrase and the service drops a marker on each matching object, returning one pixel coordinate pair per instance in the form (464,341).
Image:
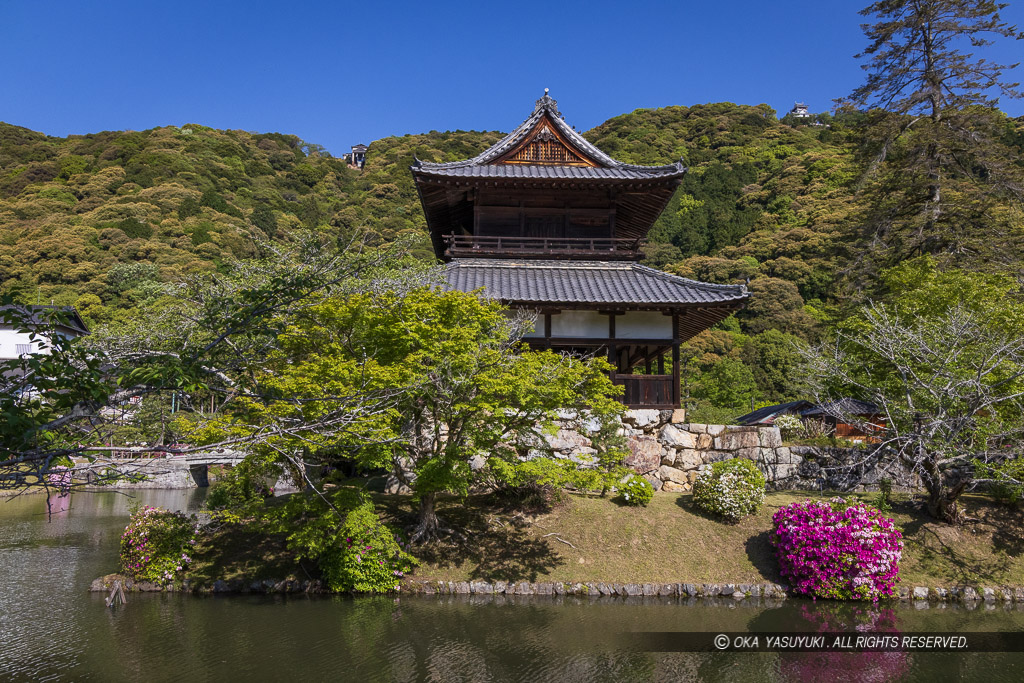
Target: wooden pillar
(675,375)
(647,360)
(661,362)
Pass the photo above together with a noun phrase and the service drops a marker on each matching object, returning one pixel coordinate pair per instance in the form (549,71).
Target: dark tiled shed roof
(586,282)
(45,316)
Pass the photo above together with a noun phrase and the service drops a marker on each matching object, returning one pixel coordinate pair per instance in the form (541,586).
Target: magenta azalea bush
(155,545)
(831,550)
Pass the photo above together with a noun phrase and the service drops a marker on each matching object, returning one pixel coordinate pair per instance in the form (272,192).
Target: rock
(705,441)
(675,438)
(655,482)
(672,474)
(668,457)
(715,430)
(691,477)
(1018,594)
(567,440)
(641,417)
(644,454)
(1005,594)
(219,586)
(697,428)
(605,589)
(673,487)
(525,588)
(734,441)
(738,595)
(477,463)
(668,589)
(769,436)
(903,593)
(969,594)
(393,485)
(940,594)
(988,594)
(687,589)
(753,454)
(633,589)
(711,589)
(920,593)
(716,456)
(688,459)
(649,589)
(545,588)
(500,586)
(786,455)
(560,588)
(678,416)
(461,587)
(728,589)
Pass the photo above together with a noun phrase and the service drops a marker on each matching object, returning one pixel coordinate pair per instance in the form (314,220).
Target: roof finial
(547,102)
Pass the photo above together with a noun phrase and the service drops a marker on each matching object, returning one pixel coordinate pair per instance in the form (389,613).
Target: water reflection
(50,628)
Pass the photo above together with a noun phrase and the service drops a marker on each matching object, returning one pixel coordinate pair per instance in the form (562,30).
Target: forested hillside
(102,220)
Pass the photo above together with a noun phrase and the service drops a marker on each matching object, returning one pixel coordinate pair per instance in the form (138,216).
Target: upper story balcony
(599,248)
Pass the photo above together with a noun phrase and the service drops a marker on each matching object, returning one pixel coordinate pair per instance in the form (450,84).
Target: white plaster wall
(9,340)
(590,324)
(643,325)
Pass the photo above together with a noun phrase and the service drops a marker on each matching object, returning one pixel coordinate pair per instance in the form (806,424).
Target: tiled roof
(591,282)
(555,172)
(768,414)
(607,168)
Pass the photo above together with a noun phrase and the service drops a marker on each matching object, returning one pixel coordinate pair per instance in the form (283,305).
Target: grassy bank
(582,538)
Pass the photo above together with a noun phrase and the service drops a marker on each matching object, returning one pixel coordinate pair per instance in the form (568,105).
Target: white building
(15,339)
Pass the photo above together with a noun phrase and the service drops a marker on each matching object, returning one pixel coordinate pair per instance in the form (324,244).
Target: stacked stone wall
(668,451)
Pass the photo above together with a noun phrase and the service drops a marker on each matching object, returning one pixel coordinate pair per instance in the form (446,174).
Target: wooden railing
(647,391)
(554,247)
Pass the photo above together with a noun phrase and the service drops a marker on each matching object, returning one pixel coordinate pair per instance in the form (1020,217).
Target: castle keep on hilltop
(545,221)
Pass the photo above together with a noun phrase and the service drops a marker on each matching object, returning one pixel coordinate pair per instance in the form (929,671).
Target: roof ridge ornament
(547,102)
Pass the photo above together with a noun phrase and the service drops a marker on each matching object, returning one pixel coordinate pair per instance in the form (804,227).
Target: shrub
(368,557)
(789,425)
(731,489)
(841,551)
(156,543)
(636,491)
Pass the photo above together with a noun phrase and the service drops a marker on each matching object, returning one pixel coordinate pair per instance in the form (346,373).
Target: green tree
(945,364)
(460,400)
(933,131)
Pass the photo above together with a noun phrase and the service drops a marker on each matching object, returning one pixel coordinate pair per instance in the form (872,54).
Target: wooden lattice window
(545,148)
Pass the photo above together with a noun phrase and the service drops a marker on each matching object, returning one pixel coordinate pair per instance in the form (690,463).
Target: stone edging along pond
(968,595)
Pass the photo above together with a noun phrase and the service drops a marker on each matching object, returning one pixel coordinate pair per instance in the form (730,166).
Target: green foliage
(883,501)
(731,489)
(342,533)
(636,491)
(155,545)
(1006,479)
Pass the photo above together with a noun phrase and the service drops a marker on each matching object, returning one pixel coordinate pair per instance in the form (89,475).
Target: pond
(51,628)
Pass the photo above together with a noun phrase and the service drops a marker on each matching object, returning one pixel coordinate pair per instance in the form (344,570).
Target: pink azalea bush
(155,545)
(832,550)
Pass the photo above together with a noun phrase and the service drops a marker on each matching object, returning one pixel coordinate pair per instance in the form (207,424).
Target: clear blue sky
(339,72)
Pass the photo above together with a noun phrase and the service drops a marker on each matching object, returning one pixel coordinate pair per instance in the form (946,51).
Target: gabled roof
(589,161)
(46,316)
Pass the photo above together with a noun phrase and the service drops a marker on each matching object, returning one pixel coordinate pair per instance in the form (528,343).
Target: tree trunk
(941,505)
(427,526)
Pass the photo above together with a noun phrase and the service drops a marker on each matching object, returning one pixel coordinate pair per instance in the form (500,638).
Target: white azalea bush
(636,491)
(731,489)
(790,426)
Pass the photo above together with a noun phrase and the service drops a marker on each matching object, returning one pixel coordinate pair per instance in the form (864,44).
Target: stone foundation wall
(668,452)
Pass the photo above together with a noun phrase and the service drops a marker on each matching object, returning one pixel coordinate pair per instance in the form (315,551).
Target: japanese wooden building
(545,221)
